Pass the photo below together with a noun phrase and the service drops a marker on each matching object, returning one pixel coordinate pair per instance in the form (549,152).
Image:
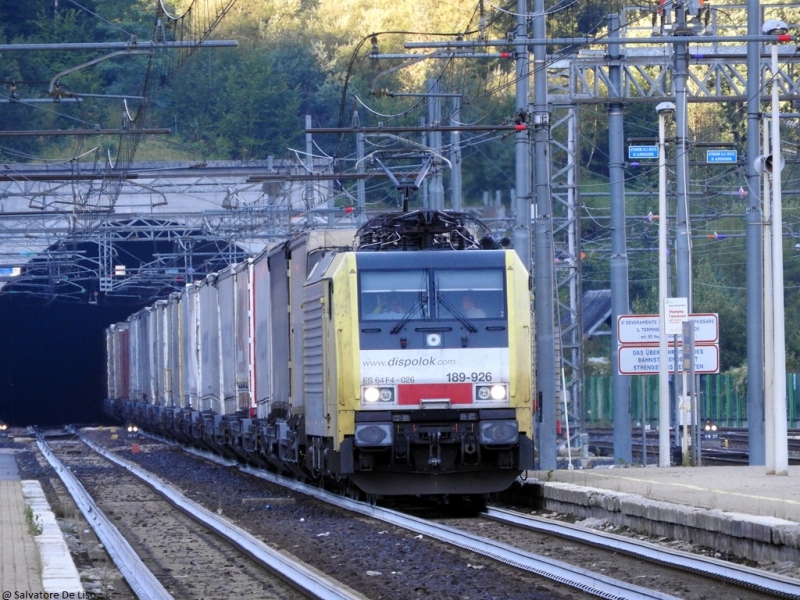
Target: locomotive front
(444,364)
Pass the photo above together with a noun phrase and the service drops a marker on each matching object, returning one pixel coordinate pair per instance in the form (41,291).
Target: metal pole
(361,186)
(544,282)
(522,172)
(582,41)
(663,280)
(684,403)
(683,234)
(689,389)
(753,244)
(676,395)
(779,339)
(644,420)
(455,157)
(117,45)
(767,427)
(309,191)
(436,188)
(683,274)
(620,304)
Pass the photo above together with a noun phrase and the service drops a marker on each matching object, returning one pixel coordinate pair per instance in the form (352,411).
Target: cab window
(394,294)
(474,294)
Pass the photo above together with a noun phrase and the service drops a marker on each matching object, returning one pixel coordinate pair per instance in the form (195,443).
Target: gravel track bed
(190,561)
(378,560)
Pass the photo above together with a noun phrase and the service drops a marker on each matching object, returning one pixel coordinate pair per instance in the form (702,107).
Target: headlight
(374,434)
(492,392)
(376,394)
(499,433)
(498,392)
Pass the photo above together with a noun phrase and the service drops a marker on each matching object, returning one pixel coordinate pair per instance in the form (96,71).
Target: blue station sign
(721,156)
(642,151)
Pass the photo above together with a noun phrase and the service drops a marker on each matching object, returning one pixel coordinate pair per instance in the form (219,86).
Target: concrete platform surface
(34,557)
(747,490)
(58,570)
(20,567)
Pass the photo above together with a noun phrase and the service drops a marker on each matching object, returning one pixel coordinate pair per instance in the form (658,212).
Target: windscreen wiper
(407,317)
(456,313)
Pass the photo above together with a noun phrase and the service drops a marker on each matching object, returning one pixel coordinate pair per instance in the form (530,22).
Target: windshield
(394,294)
(474,294)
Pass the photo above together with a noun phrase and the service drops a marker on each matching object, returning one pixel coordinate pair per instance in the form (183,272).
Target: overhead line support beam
(118,45)
(49,132)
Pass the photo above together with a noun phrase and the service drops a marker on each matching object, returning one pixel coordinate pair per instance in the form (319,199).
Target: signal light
(766,164)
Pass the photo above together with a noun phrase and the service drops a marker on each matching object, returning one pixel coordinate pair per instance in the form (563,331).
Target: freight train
(391,360)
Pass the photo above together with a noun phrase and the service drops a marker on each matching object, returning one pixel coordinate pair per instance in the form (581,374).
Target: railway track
(618,577)
(169,547)
(735,577)
(729,448)
(347,547)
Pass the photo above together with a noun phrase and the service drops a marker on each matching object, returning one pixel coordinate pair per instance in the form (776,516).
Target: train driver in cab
(394,308)
(470,309)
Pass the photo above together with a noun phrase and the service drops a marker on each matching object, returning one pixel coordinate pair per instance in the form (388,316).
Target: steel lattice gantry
(58,237)
(716,73)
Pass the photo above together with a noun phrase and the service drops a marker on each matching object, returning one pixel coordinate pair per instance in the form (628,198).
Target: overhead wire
(101,18)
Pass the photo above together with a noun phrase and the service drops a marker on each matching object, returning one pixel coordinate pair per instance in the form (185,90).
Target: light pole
(773,165)
(663,109)
(769,321)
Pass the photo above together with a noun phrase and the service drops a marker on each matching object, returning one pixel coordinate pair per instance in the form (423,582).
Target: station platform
(736,509)
(34,556)
(20,566)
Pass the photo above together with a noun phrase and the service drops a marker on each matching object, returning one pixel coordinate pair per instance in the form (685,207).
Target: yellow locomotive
(397,360)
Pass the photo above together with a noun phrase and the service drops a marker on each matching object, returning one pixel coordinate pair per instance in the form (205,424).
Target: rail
(142,581)
(719,569)
(308,580)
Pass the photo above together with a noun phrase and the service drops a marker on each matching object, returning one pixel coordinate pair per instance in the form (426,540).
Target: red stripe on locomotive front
(414,393)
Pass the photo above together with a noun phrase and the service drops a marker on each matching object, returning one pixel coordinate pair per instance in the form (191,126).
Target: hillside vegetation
(312,57)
